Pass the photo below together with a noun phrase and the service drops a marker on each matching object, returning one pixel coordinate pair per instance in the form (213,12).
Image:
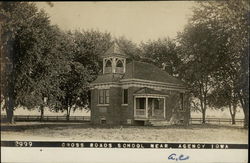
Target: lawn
(85,132)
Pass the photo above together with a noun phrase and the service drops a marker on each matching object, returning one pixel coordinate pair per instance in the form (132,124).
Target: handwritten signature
(173,156)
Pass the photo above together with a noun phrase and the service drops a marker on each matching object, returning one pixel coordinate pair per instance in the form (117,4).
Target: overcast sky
(137,21)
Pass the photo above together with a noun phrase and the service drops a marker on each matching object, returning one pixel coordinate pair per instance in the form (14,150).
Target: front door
(156,107)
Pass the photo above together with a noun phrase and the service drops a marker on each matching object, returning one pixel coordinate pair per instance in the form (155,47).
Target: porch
(149,105)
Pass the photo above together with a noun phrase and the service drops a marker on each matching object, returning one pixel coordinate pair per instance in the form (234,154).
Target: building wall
(175,113)
(116,113)
(112,112)
(128,110)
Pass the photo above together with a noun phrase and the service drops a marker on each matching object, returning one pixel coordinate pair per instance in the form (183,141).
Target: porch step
(159,123)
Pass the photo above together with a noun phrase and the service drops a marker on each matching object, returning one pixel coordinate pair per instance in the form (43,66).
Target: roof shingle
(146,71)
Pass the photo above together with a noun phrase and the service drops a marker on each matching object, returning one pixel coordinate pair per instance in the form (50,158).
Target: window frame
(104,95)
(123,97)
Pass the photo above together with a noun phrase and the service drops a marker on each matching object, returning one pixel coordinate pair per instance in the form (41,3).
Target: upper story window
(125,96)
(103,95)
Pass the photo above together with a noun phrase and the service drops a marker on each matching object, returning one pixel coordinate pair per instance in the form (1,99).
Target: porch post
(153,107)
(147,107)
(134,106)
(164,103)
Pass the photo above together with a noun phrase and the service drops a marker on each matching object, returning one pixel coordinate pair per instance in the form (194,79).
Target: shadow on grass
(65,125)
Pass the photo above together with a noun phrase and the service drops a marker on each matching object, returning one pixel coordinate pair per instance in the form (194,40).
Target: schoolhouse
(136,93)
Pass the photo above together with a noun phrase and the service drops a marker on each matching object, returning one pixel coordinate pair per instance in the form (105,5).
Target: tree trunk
(10,110)
(203,111)
(246,116)
(42,113)
(233,119)
(233,112)
(203,116)
(68,113)
(10,115)
(245,106)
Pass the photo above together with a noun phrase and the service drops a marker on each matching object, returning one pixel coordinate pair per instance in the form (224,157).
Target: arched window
(108,63)
(119,63)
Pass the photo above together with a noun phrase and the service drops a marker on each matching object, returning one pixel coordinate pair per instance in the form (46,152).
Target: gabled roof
(114,50)
(149,91)
(142,71)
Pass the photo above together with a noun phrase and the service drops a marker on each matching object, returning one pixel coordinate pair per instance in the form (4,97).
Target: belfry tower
(114,60)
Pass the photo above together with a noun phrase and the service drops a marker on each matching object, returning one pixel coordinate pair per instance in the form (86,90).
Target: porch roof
(149,91)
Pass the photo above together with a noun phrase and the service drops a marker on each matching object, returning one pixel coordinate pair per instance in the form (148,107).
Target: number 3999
(23,144)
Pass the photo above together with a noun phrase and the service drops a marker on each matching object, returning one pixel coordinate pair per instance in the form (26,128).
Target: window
(181,101)
(108,63)
(119,64)
(140,103)
(119,67)
(125,96)
(106,95)
(108,66)
(103,96)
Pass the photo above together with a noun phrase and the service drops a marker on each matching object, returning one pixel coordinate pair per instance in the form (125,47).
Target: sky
(137,21)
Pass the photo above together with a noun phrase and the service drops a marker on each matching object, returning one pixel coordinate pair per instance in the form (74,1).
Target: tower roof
(113,51)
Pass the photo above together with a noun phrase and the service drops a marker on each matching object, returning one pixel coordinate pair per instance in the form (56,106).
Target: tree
(163,54)
(231,20)
(222,28)
(28,43)
(90,45)
(129,48)
(201,58)
(225,96)
(81,66)
(74,86)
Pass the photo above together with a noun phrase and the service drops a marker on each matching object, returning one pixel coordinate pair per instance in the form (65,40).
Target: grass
(85,132)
